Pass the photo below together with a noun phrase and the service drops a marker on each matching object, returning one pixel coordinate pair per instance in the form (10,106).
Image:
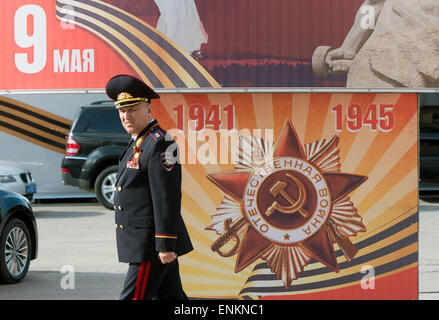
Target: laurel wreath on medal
(286,256)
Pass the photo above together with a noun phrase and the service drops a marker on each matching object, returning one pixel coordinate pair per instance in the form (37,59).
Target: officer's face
(135,118)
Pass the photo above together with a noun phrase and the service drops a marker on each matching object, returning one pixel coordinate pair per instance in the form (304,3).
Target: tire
(104,186)
(15,251)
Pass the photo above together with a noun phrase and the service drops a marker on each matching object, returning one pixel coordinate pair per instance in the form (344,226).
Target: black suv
(93,147)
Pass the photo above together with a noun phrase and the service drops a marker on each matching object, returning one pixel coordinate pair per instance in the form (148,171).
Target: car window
(106,121)
(429,119)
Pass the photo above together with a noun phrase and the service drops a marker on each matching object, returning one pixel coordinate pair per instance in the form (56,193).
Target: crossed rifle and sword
(278,189)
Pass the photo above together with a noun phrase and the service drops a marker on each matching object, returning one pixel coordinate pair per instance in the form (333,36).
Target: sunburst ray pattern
(379,217)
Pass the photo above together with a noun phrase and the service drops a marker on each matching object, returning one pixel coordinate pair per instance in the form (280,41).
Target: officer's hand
(167,257)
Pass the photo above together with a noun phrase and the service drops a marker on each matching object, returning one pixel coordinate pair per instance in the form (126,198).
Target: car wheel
(15,249)
(104,187)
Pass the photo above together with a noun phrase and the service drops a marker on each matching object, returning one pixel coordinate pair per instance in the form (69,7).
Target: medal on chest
(133,163)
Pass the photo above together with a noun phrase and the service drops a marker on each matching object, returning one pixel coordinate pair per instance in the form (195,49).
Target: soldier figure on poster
(392,43)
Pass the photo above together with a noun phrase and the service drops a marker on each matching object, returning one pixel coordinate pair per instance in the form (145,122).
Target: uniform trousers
(153,280)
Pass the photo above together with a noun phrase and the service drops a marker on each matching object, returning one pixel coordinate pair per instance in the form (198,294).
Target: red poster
(46,53)
(68,44)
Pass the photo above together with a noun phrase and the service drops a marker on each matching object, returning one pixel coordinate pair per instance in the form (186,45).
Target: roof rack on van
(101,102)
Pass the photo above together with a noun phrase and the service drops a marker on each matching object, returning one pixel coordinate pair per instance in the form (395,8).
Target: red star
(319,245)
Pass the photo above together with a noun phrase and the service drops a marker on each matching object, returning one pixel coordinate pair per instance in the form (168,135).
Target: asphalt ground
(75,240)
(77,257)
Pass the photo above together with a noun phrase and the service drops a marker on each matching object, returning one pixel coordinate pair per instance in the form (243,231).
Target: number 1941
(201,117)
(376,117)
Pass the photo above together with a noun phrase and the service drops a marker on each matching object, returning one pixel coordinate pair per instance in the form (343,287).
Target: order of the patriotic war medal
(286,204)
(133,163)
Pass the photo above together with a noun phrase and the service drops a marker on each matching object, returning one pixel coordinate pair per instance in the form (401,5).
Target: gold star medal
(286,204)
(136,155)
(133,163)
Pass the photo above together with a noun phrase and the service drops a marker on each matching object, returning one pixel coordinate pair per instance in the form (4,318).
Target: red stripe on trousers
(145,280)
(142,279)
(139,280)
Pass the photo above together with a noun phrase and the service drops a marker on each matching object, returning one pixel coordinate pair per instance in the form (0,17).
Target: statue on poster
(392,43)
(179,21)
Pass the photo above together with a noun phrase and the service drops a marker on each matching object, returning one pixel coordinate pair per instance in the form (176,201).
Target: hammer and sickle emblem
(295,205)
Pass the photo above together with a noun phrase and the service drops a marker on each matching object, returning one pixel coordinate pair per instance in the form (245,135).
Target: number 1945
(376,117)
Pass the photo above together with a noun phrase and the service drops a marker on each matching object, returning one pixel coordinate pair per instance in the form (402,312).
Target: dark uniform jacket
(148,200)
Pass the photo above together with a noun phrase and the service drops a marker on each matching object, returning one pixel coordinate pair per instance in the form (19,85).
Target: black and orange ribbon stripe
(156,59)
(34,125)
(399,254)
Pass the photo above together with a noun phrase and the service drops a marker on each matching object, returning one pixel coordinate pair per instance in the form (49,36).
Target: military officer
(150,231)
